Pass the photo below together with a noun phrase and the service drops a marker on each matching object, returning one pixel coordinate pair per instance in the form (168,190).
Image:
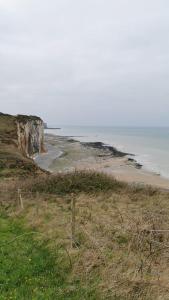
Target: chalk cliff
(30,132)
(20,138)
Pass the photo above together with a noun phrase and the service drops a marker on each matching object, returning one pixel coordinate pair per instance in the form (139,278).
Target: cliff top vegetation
(25,118)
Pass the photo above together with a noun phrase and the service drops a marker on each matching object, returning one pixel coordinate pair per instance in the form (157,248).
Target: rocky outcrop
(20,138)
(30,132)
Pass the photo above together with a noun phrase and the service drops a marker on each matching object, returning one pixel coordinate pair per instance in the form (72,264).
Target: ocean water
(149,145)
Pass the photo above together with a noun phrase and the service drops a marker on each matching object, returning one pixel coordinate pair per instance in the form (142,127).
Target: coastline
(65,154)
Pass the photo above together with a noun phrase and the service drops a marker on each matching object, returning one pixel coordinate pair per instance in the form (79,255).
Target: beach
(66,154)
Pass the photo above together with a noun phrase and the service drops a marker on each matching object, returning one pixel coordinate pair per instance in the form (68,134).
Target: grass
(29,271)
(14,164)
(121,237)
(25,118)
(7,126)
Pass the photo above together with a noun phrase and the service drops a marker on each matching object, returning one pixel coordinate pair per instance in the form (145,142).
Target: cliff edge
(21,137)
(30,132)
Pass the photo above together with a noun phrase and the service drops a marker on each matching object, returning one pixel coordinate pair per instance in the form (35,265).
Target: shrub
(76,182)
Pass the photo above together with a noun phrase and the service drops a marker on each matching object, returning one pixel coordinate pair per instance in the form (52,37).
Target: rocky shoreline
(66,154)
(101,150)
(110,151)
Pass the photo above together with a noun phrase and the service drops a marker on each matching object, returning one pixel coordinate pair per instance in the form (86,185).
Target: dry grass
(122,237)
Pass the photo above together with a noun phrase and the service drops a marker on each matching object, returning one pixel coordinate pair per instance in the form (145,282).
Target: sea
(149,145)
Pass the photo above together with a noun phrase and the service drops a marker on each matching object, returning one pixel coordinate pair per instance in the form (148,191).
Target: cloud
(87,62)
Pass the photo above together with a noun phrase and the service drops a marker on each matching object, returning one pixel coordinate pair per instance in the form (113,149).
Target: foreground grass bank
(28,270)
(121,241)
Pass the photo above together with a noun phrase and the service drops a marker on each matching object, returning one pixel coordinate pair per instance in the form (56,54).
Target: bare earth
(65,154)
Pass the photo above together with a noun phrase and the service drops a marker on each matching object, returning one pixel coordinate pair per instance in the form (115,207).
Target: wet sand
(65,154)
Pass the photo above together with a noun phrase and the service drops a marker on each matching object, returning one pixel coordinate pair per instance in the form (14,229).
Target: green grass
(28,270)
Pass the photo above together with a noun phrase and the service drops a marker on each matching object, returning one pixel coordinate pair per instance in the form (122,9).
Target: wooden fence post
(37,203)
(20,199)
(73,220)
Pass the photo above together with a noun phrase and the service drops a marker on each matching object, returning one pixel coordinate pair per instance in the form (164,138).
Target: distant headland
(47,127)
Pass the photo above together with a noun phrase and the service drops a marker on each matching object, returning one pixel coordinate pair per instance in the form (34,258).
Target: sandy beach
(65,154)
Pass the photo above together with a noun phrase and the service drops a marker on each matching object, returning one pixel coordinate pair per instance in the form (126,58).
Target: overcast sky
(86,62)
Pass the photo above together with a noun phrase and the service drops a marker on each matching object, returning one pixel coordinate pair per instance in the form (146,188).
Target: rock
(136,164)
(108,150)
(30,132)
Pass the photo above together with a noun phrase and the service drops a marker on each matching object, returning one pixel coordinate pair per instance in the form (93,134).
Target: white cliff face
(30,132)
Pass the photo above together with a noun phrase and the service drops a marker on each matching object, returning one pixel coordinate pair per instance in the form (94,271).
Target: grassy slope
(28,270)
(119,252)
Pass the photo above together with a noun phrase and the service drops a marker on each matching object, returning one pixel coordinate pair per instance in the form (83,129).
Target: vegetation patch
(24,118)
(112,245)
(29,271)
(76,182)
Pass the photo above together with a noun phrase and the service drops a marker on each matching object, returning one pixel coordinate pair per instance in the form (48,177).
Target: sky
(92,62)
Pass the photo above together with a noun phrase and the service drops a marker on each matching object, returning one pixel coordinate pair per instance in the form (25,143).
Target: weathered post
(73,220)
(20,199)
(37,203)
